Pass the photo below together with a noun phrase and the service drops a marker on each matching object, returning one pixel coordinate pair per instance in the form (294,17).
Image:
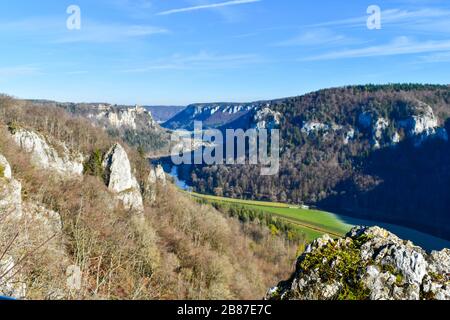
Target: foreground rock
(121,180)
(156,177)
(369,263)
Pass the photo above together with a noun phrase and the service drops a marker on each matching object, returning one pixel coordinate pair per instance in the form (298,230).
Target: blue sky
(185,51)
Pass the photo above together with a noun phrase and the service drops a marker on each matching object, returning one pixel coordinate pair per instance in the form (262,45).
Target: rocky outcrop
(136,118)
(310,127)
(379,129)
(32,225)
(376,126)
(10,192)
(349,135)
(266,118)
(313,126)
(45,156)
(369,263)
(120,178)
(423,125)
(156,177)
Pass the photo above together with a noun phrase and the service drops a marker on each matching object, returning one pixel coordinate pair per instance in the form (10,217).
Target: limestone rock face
(419,126)
(349,135)
(121,179)
(46,156)
(156,177)
(424,125)
(369,263)
(375,126)
(266,118)
(131,118)
(34,224)
(378,130)
(10,192)
(314,126)
(5,168)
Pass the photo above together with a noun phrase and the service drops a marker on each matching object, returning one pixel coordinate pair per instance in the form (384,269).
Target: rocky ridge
(368,263)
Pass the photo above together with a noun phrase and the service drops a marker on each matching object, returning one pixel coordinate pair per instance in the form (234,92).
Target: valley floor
(315,223)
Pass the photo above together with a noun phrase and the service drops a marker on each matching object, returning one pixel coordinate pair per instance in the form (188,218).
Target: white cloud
(400,46)
(208,6)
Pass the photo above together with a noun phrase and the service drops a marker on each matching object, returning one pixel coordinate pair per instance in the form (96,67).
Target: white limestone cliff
(156,177)
(423,126)
(121,179)
(132,118)
(46,156)
(266,118)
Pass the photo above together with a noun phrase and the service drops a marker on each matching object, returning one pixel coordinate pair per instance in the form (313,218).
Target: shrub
(93,166)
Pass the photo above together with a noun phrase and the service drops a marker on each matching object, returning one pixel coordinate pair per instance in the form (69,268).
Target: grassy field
(313,223)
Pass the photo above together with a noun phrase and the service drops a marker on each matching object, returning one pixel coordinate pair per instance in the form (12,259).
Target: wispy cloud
(207,6)
(78,72)
(410,18)
(316,37)
(54,30)
(436,57)
(103,33)
(400,46)
(407,16)
(16,71)
(202,60)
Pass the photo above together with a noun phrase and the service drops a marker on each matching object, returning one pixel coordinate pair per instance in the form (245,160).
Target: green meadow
(312,223)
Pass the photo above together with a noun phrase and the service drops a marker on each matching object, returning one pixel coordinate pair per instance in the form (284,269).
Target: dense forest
(405,183)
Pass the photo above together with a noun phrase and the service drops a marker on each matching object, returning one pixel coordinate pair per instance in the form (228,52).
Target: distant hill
(212,115)
(163,113)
